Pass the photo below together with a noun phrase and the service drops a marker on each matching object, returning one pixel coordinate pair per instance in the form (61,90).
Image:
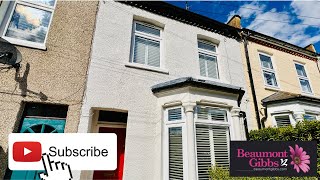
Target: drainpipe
(255,102)
(318,62)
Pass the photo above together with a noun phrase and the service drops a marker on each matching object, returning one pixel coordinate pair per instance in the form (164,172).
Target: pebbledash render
(45,94)
(170,84)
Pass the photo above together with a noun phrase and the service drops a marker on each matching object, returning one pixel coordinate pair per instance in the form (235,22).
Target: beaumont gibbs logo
(273,158)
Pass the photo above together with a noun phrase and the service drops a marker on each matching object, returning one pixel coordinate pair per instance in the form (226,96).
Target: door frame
(95,129)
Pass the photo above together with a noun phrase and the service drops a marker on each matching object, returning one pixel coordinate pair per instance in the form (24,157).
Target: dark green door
(38,125)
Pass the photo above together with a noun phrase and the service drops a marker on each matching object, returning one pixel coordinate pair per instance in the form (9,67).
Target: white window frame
(147,36)
(303,78)
(33,5)
(274,121)
(169,124)
(268,70)
(209,122)
(209,53)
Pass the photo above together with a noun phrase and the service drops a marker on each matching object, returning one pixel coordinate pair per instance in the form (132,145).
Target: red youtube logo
(26,151)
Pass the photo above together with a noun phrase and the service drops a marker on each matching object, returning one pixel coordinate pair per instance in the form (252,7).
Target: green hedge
(217,173)
(303,131)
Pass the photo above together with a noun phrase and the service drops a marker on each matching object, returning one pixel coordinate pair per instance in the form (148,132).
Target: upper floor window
(268,70)
(29,23)
(146,44)
(303,78)
(208,59)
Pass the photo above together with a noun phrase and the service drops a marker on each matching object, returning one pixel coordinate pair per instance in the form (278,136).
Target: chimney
(235,21)
(311,48)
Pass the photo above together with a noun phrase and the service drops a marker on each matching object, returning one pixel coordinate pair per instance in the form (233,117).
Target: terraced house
(283,79)
(170,84)
(45,47)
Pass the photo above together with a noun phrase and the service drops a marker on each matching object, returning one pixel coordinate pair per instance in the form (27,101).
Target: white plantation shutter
(217,115)
(175,153)
(202,64)
(212,148)
(282,121)
(146,29)
(154,54)
(174,114)
(146,45)
(221,146)
(203,151)
(140,50)
(212,67)
(207,113)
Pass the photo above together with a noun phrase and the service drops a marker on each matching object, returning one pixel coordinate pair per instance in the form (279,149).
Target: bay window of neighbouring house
(208,59)
(269,74)
(27,22)
(146,45)
(211,136)
(303,78)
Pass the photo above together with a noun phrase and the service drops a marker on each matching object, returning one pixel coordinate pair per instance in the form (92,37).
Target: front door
(38,125)
(118,173)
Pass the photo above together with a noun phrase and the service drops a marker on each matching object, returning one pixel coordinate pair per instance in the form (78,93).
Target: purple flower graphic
(300,159)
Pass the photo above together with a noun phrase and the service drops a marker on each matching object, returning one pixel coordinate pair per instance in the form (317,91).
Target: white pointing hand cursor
(54,170)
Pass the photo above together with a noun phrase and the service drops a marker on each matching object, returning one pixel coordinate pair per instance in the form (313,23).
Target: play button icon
(26,151)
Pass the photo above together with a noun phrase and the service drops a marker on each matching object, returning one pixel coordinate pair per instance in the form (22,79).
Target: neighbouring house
(170,83)
(53,40)
(283,79)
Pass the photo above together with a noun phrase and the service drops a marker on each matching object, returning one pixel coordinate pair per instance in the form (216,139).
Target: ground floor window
(211,141)
(212,148)
(310,117)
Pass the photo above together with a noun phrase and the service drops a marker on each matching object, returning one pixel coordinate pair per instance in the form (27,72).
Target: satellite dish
(9,54)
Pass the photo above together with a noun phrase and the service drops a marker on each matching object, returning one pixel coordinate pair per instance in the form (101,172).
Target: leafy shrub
(218,173)
(303,131)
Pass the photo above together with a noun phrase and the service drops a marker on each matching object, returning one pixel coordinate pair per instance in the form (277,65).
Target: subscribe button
(82,151)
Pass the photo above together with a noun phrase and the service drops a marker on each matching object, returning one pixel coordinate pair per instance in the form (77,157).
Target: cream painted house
(170,84)
(285,79)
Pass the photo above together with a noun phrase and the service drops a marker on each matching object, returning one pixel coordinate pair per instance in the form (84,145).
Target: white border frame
(27,43)
(269,71)
(304,78)
(147,36)
(209,53)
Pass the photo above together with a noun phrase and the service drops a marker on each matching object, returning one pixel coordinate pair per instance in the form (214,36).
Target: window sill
(148,68)
(271,88)
(211,79)
(23,43)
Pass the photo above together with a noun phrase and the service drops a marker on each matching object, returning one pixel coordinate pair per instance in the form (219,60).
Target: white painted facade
(116,84)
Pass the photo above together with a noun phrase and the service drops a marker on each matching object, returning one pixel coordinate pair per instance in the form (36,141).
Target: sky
(292,21)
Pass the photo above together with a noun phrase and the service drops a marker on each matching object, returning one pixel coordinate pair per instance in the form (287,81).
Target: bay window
(211,141)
